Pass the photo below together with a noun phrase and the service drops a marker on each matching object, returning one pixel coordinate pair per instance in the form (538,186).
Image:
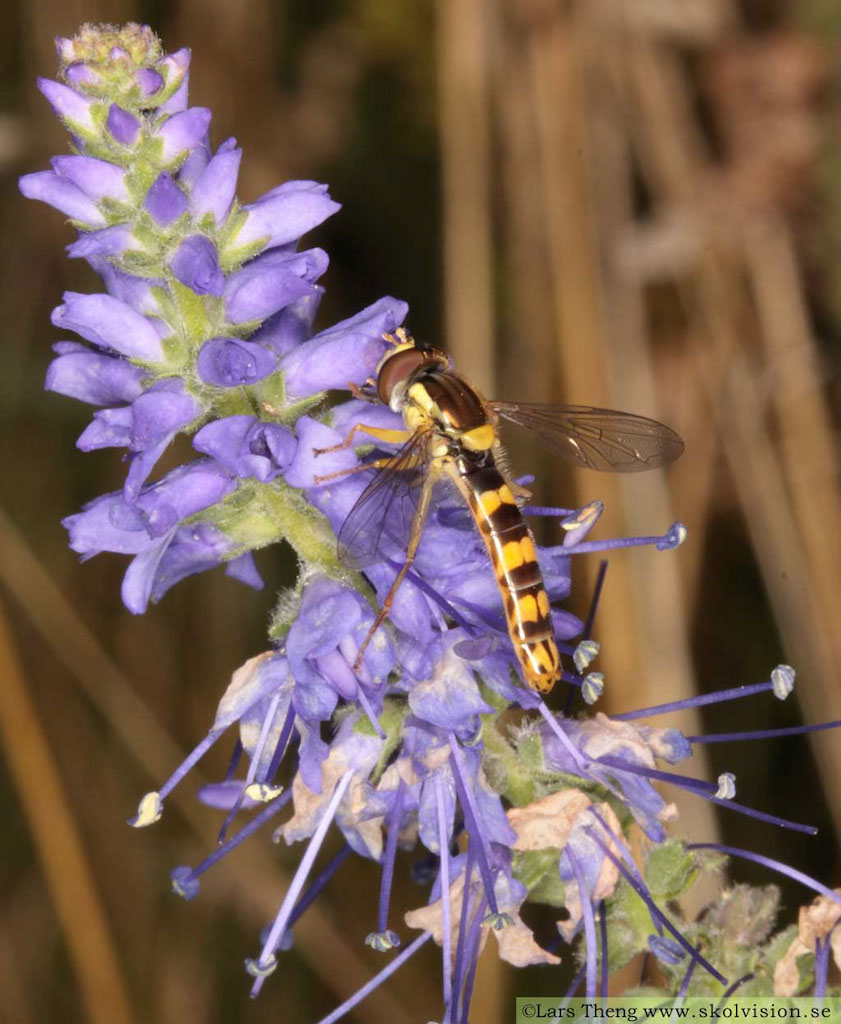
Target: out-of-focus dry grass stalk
(59,845)
(465,167)
(794,533)
(468,258)
(251,881)
(600,345)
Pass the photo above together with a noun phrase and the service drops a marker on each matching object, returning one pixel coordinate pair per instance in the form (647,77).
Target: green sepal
(629,925)
(670,869)
(391,720)
(192,312)
(538,871)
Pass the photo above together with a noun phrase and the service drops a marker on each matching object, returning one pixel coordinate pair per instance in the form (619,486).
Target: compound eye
(396,369)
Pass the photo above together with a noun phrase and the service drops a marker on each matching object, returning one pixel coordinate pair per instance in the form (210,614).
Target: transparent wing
(615,442)
(380,523)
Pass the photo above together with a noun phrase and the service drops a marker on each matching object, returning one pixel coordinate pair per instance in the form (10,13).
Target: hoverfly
(451,433)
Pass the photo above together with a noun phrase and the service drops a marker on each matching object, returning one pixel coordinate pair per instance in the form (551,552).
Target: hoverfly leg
(522,494)
(376,464)
(414,540)
(367,392)
(380,433)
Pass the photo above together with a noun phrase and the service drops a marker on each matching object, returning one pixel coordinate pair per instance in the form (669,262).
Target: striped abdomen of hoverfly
(511,547)
(460,419)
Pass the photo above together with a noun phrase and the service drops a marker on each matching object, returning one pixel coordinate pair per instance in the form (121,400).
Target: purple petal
(230,362)
(192,549)
(122,126)
(62,194)
(98,179)
(175,68)
(107,524)
(182,132)
(450,698)
(196,265)
(137,292)
(182,493)
(247,447)
(136,589)
(193,167)
(81,73)
(245,570)
(306,466)
(113,241)
(286,213)
(149,81)
(348,352)
(265,285)
(328,612)
(290,326)
(68,104)
(94,377)
(165,201)
(105,321)
(214,189)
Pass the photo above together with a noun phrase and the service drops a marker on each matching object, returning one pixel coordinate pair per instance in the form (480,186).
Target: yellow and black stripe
(511,547)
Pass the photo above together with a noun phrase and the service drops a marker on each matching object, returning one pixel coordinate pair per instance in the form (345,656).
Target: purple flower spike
(214,189)
(230,362)
(346,353)
(61,193)
(286,213)
(165,201)
(109,323)
(98,179)
(122,126)
(270,282)
(69,105)
(182,132)
(196,265)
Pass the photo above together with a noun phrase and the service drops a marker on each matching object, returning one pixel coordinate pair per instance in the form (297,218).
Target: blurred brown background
(634,203)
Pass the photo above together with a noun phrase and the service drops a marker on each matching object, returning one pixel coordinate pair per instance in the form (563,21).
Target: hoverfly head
(401,362)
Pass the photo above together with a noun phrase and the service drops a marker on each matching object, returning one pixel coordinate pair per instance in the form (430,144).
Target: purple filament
(684,985)
(696,785)
(377,980)
(236,754)
(603,943)
(315,889)
(471,814)
(588,920)
(720,696)
(282,743)
(267,813)
(282,919)
(252,767)
(446,928)
(474,938)
(768,862)
(627,857)
(390,855)
(462,934)
(822,948)
(763,734)
(644,895)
